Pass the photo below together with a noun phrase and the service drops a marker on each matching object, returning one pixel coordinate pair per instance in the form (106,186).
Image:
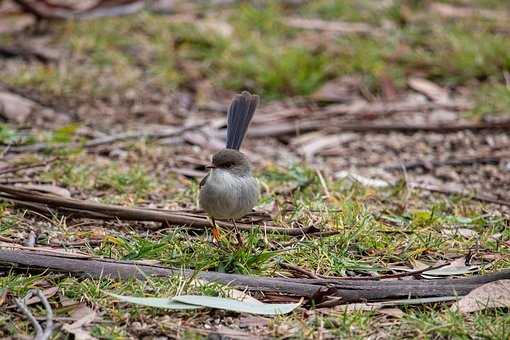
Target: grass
(492,99)
(264,55)
(378,228)
(369,242)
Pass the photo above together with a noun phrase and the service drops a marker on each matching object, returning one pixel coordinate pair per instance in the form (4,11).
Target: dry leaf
(331,26)
(3,295)
(77,327)
(223,332)
(429,89)
(456,267)
(393,312)
(10,23)
(464,232)
(35,299)
(491,295)
(359,307)
(247,321)
(242,296)
(369,182)
(15,108)
(51,189)
(451,11)
(203,140)
(220,27)
(338,90)
(80,311)
(319,143)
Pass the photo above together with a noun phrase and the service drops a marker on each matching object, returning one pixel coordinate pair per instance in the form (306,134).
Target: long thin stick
(454,162)
(11,169)
(39,201)
(297,127)
(108,139)
(449,191)
(350,291)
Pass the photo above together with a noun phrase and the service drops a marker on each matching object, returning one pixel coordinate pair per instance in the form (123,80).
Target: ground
(419,63)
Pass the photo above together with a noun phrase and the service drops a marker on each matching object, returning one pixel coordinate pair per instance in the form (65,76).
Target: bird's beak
(211,167)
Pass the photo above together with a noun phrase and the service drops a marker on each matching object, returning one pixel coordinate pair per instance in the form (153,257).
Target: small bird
(229,191)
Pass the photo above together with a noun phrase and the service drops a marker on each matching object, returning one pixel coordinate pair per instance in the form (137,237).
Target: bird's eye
(228,165)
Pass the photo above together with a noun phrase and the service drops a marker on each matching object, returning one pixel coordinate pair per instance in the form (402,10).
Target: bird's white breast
(226,195)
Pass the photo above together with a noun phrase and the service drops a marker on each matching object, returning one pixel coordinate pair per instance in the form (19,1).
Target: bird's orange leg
(215,231)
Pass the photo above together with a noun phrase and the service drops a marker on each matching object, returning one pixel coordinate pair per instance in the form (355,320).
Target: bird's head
(232,161)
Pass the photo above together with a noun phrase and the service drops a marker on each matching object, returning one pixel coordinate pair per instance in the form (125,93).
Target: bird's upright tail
(239,116)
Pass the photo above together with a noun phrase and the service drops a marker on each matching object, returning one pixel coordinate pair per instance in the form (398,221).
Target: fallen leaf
(431,90)
(3,295)
(203,140)
(336,26)
(456,267)
(242,296)
(15,108)
(491,295)
(46,188)
(369,182)
(81,311)
(393,312)
(376,306)
(464,232)
(352,307)
(253,321)
(319,143)
(77,327)
(451,11)
(47,294)
(223,332)
(199,301)
(338,90)
(220,27)
(167,303)
(237,306)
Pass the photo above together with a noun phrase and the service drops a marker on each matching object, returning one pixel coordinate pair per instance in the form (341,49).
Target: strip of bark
(349,291)
(108,139)
(12,169)
(454,162)
(299,127)
(94,210)
(43,9)
(448,191)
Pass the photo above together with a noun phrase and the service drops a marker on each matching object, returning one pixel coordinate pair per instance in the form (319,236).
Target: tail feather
(239,116)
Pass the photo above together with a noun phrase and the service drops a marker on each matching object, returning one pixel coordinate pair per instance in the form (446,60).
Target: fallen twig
(41,334)
(349,291)
(299,270)
(25,52)
(382,277)
(41,202)
(455,162)
(298,127)
(109,139)
(43,9)
(452,191)
(330,26)
(13,169)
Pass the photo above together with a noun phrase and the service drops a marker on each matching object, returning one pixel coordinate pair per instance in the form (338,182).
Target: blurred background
(376,86)
(383,129)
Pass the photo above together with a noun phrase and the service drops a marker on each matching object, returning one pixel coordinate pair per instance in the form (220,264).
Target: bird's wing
(202,182)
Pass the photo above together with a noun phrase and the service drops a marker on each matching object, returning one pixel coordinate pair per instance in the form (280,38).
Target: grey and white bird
(230,191)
